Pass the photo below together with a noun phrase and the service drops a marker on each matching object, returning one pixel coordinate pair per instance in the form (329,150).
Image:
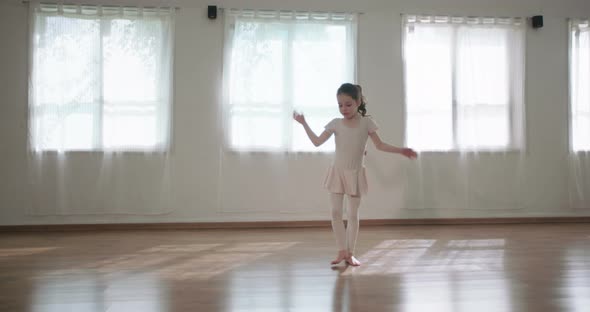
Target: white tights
(345,238)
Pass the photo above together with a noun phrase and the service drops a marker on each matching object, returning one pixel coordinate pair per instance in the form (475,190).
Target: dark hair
(356,93)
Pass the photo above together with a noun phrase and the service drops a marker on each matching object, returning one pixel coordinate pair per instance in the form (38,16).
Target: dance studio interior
(311,155)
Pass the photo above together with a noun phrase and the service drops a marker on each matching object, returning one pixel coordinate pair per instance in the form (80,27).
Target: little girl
(347,176)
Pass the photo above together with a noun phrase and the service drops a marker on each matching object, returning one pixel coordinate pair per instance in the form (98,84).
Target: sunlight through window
(439,275)
(463,83)
(277,64)
(579,85)
(93,292)
(101,78)
(424,255)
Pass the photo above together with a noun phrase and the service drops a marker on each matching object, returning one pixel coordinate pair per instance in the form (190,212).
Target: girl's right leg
(352,228)
(338,226)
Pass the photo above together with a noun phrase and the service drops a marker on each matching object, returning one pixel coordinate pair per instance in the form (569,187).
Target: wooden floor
(470,268)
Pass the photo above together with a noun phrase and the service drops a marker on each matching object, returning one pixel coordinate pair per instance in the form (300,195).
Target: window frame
(570,79)
(162,113)
(517,137)
(286,105)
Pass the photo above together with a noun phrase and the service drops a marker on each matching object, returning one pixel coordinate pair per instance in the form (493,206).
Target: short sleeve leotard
(347,174)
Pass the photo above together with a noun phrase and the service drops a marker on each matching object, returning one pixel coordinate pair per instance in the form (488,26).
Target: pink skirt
(346,181)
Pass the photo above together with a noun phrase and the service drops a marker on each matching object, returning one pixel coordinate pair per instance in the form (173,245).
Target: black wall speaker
(537,21)
(212,12)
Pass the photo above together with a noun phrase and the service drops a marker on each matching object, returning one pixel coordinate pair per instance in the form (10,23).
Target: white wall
(264,188)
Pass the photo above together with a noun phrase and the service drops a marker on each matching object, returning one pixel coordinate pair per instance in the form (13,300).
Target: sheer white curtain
(464,83)
(100,77)
(276,62)
(580,84)
(464,100)
(100,97)
(579,90)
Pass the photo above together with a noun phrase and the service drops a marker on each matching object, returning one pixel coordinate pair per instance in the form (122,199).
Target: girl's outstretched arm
(382,146)
(316,140)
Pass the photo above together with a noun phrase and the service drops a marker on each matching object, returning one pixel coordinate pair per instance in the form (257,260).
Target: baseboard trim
(281,224)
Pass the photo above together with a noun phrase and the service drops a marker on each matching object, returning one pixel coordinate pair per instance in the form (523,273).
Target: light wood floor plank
(496,268)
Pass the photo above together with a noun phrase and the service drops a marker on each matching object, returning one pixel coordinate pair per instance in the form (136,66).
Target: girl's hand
(408,152)
(299,117)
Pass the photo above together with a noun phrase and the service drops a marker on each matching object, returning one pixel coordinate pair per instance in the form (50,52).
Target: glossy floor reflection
(478,268)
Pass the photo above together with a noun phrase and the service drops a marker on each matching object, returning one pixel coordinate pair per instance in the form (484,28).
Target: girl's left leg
(352,228)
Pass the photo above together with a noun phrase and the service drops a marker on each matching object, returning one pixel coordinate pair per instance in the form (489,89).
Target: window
(463,83)
(580,85)
(100,78)
(277,62)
